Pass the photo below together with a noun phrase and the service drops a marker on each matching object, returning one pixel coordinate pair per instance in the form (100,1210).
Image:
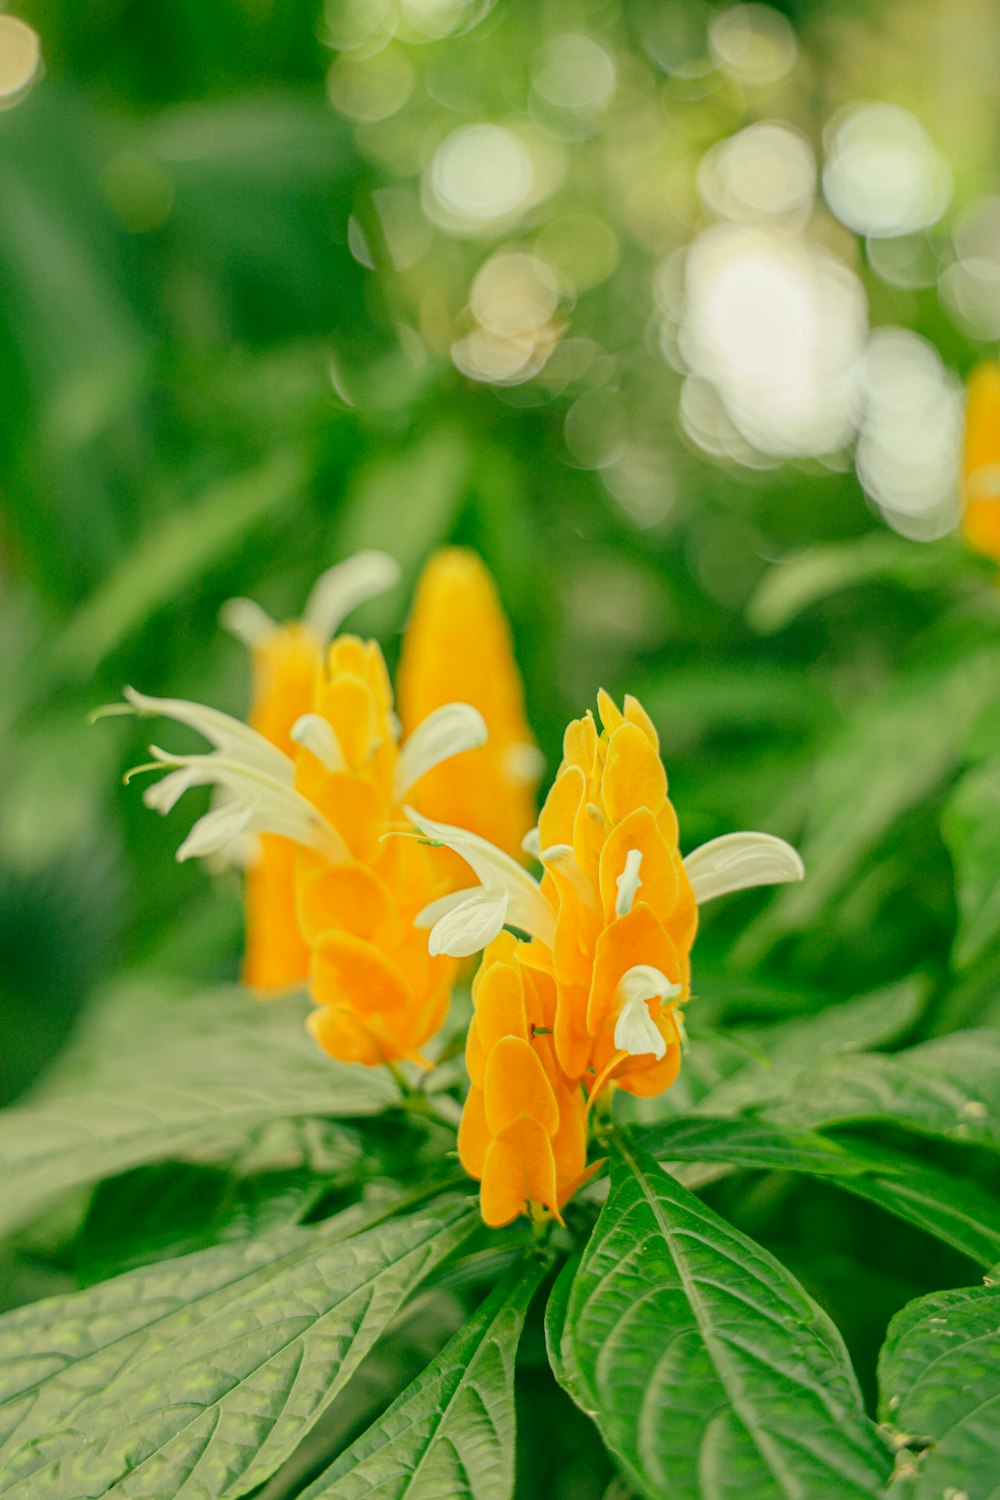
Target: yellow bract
(286,668)
(381,996)
(542,1044)
(981,461)
(457,648)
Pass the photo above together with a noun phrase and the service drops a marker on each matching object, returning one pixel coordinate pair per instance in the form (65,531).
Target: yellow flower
(457,648)
(592,996)
(328,788)
(287,662)
(981,461)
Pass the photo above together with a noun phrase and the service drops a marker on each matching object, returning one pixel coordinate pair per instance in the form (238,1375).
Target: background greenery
(226,361)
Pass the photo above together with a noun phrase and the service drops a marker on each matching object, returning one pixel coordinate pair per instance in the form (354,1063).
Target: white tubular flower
(256,778)
(244,619)
(447,731)
(635,1030)
(628,883)
(532,844)
(737,861)
(316,735)
(343,587)
(230,737)
(464,922)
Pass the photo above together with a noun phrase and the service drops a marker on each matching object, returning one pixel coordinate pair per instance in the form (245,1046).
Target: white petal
(635,1031)
(228,735)
(628,883)
(215,830)
(275,807)
(643,982)
(531,844)
(527,908)
(343,587)
(738,861)
(434,910)
(163,796)
(318,736)
(245,619)
(467,928)
(561,859)
(446,732)
(524,762)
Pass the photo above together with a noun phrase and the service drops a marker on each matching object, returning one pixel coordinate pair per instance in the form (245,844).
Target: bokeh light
(20,60)
(777,325)
(767,171)
(883,175)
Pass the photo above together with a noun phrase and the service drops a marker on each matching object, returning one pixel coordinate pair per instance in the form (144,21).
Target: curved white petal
(737,861)
(230,736)
(163,796)
(447,731)
(527,908)
(561,860)
(343,587)
(643,982)
(468,927)
(532,844)
(215,830)
(274,807)
(628,883)
(318,736)
(636,1032)
(244,619)
(435,910)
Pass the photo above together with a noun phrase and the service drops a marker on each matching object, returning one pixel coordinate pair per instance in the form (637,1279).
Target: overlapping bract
(591,996)
(981,461)
(584,972)
(457,648)
(310,800)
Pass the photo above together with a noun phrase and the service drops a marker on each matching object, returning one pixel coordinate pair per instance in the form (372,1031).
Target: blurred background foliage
(664,307)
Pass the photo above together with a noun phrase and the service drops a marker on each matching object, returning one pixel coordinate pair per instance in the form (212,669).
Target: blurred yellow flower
(457,648)
(981,461)
(592,996)
(308,795)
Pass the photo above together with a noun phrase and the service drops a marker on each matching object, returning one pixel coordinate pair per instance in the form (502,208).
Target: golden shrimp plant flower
(287,667)
(330,786)
(981,461)
(591,995)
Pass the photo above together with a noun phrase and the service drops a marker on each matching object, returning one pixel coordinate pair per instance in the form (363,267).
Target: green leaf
(710,1371)
(786,590)
(948,1087)
(954,1209)
(971,827)
(450,1433)
(851,1027)
(199,1376)
(939,1379)
(890,754)
(177,549)
(153,1080)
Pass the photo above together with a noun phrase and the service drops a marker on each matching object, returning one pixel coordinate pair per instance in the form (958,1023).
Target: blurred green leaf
(203,1373)
(891,753)
(175,553)
(971,827)
(938,1378)
(791,586)
(943,1204)
(452,1431)
(948,1087)
(709,1370)
(151,1083)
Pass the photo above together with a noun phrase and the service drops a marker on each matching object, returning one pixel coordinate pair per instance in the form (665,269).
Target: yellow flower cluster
(981,461)
(324,802)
